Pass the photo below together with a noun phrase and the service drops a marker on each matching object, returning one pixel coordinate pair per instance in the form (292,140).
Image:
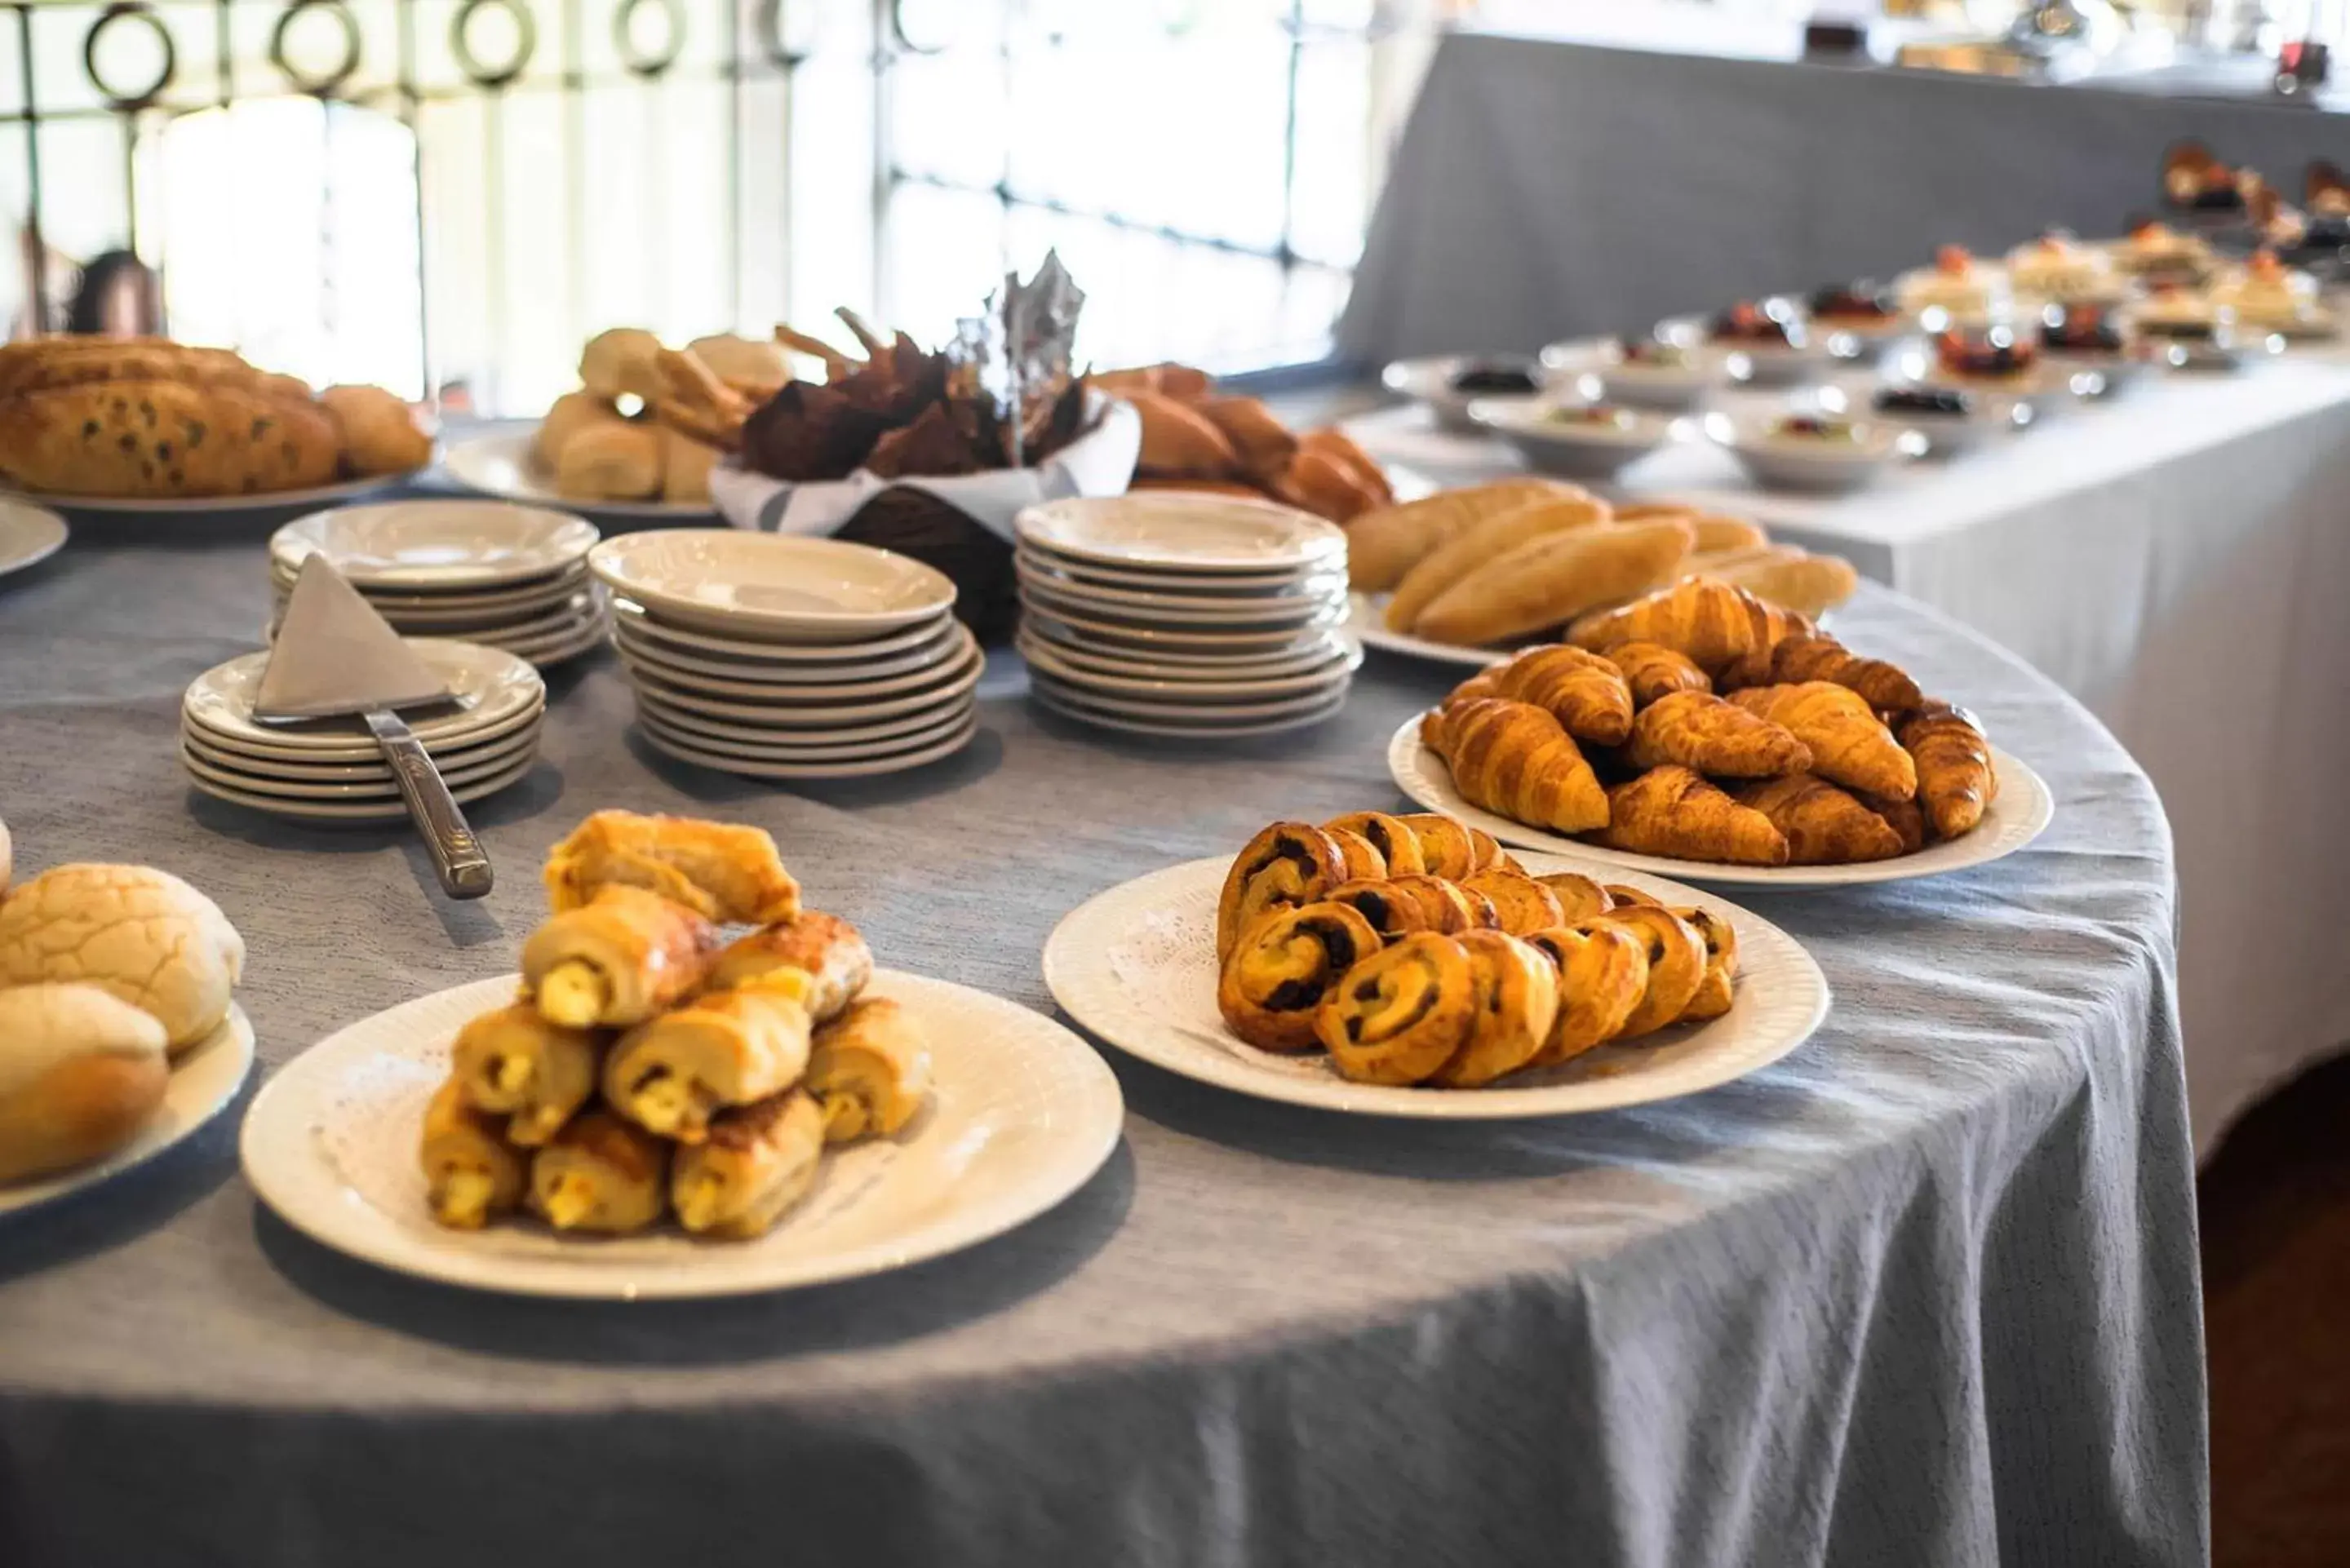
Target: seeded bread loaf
(164,439)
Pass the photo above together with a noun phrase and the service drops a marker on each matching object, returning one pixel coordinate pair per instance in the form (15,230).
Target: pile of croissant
(650,1068)
(1194,438)
(1496,563)
(1415,951)
(1701,723)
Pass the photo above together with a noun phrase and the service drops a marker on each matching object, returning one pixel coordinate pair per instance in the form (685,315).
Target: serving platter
(499,462)
(1366,619)
(216,508)
(29,534)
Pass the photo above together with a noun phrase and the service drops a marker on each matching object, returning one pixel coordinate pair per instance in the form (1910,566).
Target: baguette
(1489,540)
(1385,543)
(1807,585)
(1554,579)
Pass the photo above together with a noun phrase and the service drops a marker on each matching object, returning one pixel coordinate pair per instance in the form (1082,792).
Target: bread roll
(379,435)
(618,363)
(611,461)
(566,417)
(1384,544)
(1496,536)
(80,1072)
(1554,579)
(1808,584)
(685,466)
(141,934)
(743,363)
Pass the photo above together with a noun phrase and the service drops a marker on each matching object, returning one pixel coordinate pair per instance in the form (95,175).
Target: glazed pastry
(1282,968)
(1403,1012)
(724,1048)
(1179,442)
(1707,622)
(1672,812)
(470,1174)
(1887,687)
(617,960)
(1385,544)
(81,1071)
(1287,865)
(1446,907)
(1956,781)
(566,417)
(1361,858)
(760,1159)
(513,1062)
(141,934)
(600,1174)
(1397,845)
(1513,758)
(1700,730)
(1262,445)
(1551,580)
(1904,817)
(869,1071)
(164,439)
(1520,903)
(1447,848)
(828,953)
(610,461)
(723,871)
(1715,991)
(1394,912)
(1823,825)
(1586,692)
(1805,583)
(1652,670)
(1484,850)
(1603,974)
(1849,745)
(1516,1004)
(1471,548)
(1579,898)
(1675,956)
(379,435)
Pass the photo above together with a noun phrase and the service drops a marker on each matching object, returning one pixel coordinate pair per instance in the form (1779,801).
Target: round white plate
(568,646)
(276,788)
(227,508)
(1247,642)
(264,769)
(938,672)
(1569,451)
(1222,584)
(498,463)
(1023,1112)
(1184,709)
(564,615)
(1171,615)
(2017,816)
(409,544)
(29,534)
(1202,730)
(874,764)
(494,686)
(796,705)
(362,752)
(1185,530)
(941,653)
(1136,966)
(811,590)
(205,1078)
(638,618)
(1429,382)
(1317,658)
(745,747)
(1304,595)
(1187,685)
(357,811)
(695,728)
(559,585)
(1367,621)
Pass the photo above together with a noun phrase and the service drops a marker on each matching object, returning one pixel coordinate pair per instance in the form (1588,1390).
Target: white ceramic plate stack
(1184,615)
(785,657)
(328,769)
(490,572)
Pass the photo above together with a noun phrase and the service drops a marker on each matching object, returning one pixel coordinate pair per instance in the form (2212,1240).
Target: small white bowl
(1429,382)
(1781,461)
(1596,367)
(1990,417)
(1570,449)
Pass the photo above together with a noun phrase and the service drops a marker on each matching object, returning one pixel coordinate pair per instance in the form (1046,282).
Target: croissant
(1282,968)
(1286,865)
(824,954)
(1675,956)
(616,959)
(1672,812)
(1403,1012)
(1448,849)
(1956,781)
(1520,903)
(1716,990)
(870,1070)
(1262,445)
(1579,898)
(1550,580)
(759,1160)
(1816,658)
(1514,759)
(1585,693)
(470,1174)
(513,1062)
(1446,907)
(1179,442)
(1471,548)
(1338,447)
(724,1048)
(1361,859)
(1329,488)
(1517,1002)
(1652,670)
(1700,730)
(1603,974)
(1823,825)
(721,872)
(1384,544)
(1849,745)
(1397,845)
(1707,622)
(1904,817)
(601,1174)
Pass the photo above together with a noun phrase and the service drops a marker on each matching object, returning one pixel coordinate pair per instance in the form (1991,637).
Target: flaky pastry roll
(1401,1013)
(600,1174)
(726,1048)
(723,872)
(616,959)
(869,1069)
(1282,968)
(760,1160)
(470,1174)
(827,954)
(515,1064)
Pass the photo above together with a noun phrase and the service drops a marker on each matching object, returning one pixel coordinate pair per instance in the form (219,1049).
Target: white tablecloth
(2177,560)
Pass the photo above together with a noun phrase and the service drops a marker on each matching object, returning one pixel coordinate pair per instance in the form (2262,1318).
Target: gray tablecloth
(1924,1292)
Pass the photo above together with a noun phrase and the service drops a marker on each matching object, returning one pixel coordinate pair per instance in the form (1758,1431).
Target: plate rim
(875,766)
(352,812)
(226,507)
(1318,545)
(289,549)
(607,558)
(44,520)
(1364,621)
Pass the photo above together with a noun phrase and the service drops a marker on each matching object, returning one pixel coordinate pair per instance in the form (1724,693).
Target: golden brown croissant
(1384,544)
(1824,825)
(601,1174)
(1262,443)
(1903,816)
(1550,580)
(825,954)
(1676,955)
(1603,974)
(724,1048)
(870,1070)
(1286,865)
(1700,730)
(1336,445)
(1817,658)
(1517,1002)
(378,433)
(1652,670)
(1849,744)
(1586,693)
(1716,990)
(1397,845)
(1520,903)
(1179,442)
(616,959)
(1318,483)
(1579,898)
(723,872)
(1514,759)
(1363,861)
(1956,780)
(1707,622)
(760,1159)
(513,1062)
(470,1174)
(1468,550)
(1403,1012)
(1282,968)
(1672,812)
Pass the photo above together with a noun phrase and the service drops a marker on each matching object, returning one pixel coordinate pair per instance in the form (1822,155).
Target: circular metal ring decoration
(118,99)
(324,83)
(525,41)
(624,41)
(771,20)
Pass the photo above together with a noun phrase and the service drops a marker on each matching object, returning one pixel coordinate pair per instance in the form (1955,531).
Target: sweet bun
(80,1072)
(610,461)
(566,417)
(379,435)
(618,363)
(745,364)
(140,934)
(685,466)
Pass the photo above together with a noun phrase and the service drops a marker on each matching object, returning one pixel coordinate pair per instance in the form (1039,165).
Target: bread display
(1552,579)
(1385,544)
(1195,439)
(1466,552)
(650,1067)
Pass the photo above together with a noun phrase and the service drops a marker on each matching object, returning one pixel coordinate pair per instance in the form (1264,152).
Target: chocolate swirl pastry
(1392,837)
(1402,1012)
(1603,974)
(1285,965)
(1287,865)
(1517,1002)
(1677,960)
(1712,997)
(1449,906)
(1520,903)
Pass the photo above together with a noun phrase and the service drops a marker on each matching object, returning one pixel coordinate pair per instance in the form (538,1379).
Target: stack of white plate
(786,657)
(490,572)
(1187,615)
(485,738)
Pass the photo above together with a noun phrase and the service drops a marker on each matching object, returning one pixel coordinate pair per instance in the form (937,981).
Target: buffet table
(1925,1292)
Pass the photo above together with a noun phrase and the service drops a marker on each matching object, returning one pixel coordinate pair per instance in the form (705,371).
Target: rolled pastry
(618,959)
(600,1174)
(1517,1002)
(1579,898)
(827,954)
(1401,1014)
(1603,974)
(1286,865)
(1713,994)
(1520,903)
(1361,858)
(515,1064)
(470,1173)
(1285,965)
(80,1072)
(726,1048)
(760,1160)
(1448,906)
(870,1070)
(1393,912)
(722,872)
(1675,956)
(1393,838)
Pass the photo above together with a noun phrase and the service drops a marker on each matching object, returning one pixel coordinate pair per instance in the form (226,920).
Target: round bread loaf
(81,1073)
(143,935)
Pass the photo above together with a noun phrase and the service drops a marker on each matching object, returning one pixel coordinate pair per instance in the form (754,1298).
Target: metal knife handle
(457,855)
